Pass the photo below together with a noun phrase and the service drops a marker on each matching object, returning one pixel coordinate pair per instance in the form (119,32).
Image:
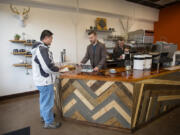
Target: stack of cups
(139,62)
(143,61)
(148,61)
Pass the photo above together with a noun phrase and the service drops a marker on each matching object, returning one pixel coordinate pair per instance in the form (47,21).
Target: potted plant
(17,37)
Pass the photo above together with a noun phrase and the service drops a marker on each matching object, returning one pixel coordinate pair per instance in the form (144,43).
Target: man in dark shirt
(96,52)
(119,49)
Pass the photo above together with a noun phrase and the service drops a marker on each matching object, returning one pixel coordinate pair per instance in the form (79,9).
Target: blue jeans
(46,102)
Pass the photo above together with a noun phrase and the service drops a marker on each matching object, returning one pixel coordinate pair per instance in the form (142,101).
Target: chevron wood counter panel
(117,104)
(102,102)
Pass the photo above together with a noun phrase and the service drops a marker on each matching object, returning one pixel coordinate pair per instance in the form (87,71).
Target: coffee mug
(28,41)
(112,70)
(15,50)
(22,50)
(33,41)
(123,56)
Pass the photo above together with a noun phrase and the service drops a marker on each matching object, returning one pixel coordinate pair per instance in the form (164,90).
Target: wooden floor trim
(3,98)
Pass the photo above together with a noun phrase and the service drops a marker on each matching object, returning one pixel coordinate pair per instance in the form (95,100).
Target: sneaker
(52,125)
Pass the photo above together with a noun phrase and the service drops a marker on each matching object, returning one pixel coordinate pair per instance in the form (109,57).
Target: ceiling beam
(172,3)
(146,3)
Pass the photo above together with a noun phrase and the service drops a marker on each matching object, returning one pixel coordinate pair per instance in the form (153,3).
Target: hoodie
(43,67)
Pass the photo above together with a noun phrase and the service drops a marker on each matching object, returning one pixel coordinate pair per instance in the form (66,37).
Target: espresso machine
(166,52)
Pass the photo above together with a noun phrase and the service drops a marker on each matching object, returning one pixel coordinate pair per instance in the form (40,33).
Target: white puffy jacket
(43,67)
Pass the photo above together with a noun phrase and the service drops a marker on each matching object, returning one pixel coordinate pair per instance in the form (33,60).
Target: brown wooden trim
(3,98)
(138,105)
(144,106)
(125,130)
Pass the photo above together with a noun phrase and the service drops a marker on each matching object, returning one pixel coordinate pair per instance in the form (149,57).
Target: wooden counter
(122,101)
(121,75)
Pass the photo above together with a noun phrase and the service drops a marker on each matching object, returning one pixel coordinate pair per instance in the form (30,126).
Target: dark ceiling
(155,3)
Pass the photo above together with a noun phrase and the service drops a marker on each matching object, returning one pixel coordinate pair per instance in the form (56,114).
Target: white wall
(62,24)
(121,7)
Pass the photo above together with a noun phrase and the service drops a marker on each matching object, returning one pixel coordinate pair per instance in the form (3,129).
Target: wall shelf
(22,53)
(19,53)
(19,65)
(21,41)
(29,67)
(109,47)
(28,44)
(18,41)
(28,55)
(22,65)
(25,54)
(105,31)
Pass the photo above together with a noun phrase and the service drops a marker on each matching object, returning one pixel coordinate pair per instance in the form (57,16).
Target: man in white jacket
(44,73)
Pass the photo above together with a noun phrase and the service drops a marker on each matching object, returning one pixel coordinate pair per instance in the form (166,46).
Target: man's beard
(49,44)
(93,42)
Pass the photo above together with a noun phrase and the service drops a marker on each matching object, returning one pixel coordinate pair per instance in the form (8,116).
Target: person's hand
(80,64)
(60,68)
(96,69)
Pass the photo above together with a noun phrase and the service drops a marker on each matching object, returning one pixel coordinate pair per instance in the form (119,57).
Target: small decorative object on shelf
(33,41)
(30,42)
(17,37)
(22,50)
(28,53)
(15,50)
(101,23)
(100,26)
(21,15)
(19,52)
(91,27)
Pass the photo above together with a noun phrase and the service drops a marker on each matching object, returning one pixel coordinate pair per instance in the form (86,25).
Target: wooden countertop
(121,75)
